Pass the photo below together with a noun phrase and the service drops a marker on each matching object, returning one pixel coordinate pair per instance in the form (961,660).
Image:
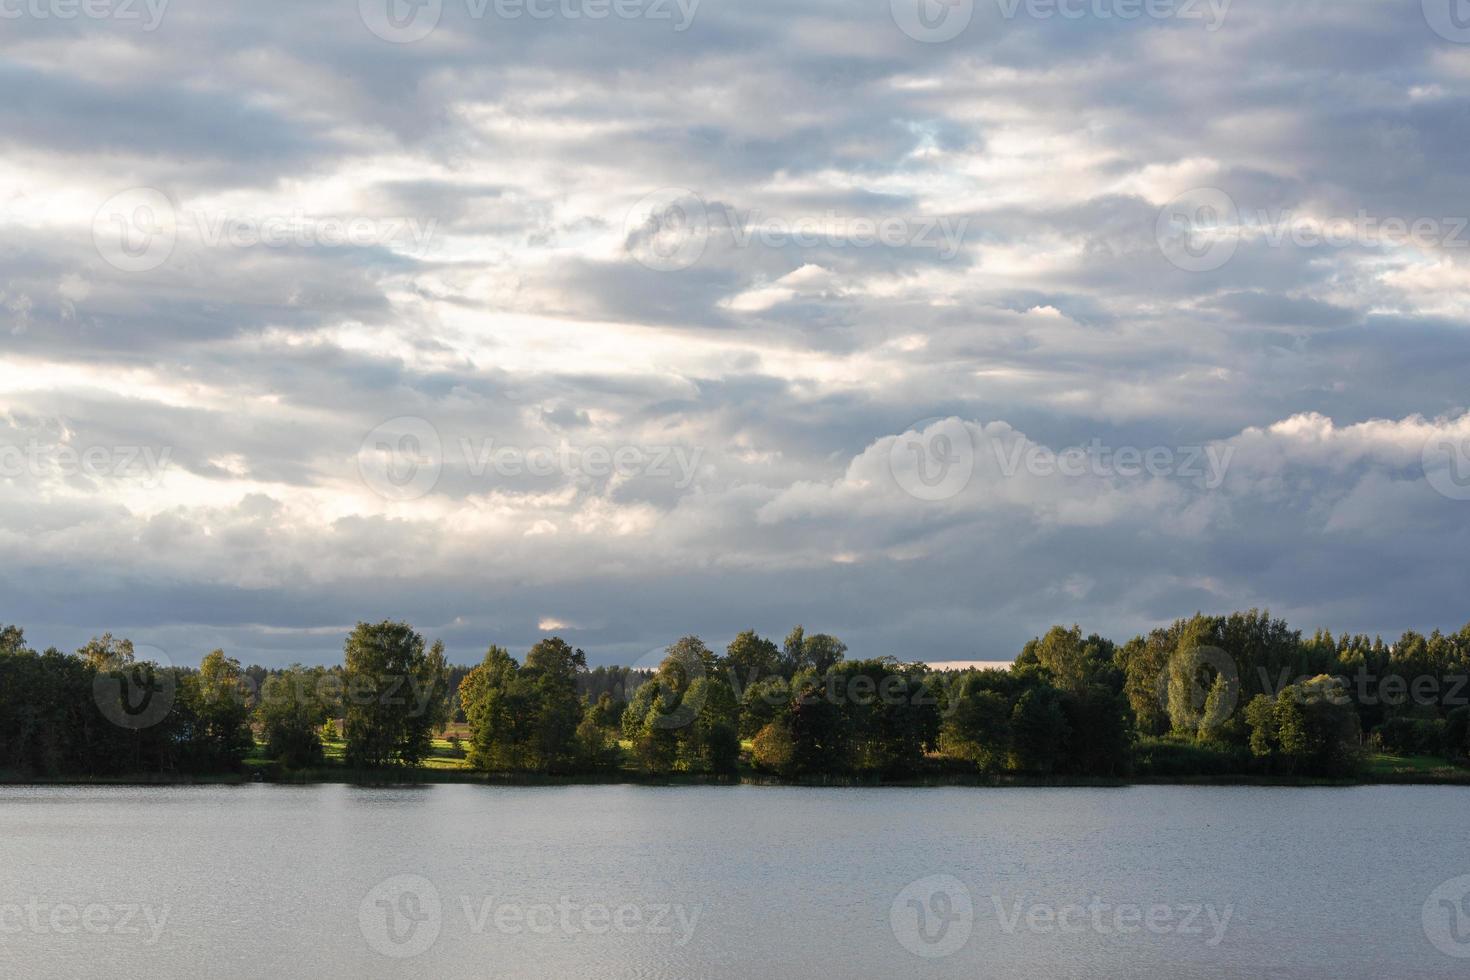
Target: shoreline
(429,777)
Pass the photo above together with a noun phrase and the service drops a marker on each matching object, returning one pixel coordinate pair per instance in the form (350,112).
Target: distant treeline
(1241,694)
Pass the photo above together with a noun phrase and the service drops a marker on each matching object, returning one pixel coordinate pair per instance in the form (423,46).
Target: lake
(345,882)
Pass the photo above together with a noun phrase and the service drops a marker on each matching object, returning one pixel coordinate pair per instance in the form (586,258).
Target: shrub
(1164,757)
(774,750)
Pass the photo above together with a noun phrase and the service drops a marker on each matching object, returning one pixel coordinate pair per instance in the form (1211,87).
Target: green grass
(1380,766)
(442,754)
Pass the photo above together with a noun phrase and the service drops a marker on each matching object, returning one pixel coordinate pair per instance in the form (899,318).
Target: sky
(925,323)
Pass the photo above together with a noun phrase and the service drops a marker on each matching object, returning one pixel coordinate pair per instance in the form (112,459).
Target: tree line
(1241,694)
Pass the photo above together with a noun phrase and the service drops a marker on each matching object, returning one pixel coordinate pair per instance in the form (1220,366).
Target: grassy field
(1412,768)
(444,755)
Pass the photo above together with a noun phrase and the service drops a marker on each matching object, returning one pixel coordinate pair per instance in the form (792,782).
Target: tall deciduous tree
(749,658)
(216,698)
(396,694)
(817,652)
(291,712)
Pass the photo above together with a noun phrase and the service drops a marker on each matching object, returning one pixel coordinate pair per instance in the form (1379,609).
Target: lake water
(335,881)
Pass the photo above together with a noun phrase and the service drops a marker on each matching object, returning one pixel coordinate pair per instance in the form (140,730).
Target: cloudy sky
(928,326)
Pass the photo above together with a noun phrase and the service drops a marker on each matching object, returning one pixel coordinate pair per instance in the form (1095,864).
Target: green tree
(291,714)
(816,653)
(1100,732)
(107,653)
(1457,734)
(215,696)
(686,717)
(890,717)
(595,746)
(1194,668)
(977,724)
(762,703)
(1310,728)
(497,707)
(1144,661)
(1038,731)
(774,750)
(396,695)
(607,712)
(749,658)
(551,670)
(528,717)
(818,728)
(1260,716)
(1061,651)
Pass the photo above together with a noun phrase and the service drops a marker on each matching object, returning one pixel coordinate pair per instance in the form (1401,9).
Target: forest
(1235,696)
